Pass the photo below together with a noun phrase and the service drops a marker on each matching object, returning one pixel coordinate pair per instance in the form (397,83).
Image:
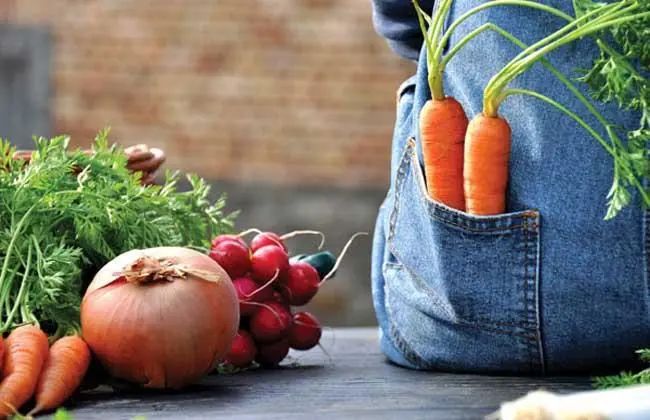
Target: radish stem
(341,255)
(248,232)
(259,289)
(305,232)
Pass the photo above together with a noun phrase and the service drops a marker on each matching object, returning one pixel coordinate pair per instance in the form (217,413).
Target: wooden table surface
(354,381)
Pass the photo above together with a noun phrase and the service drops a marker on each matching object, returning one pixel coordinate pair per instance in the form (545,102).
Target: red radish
(305,232)
(265,239)
(300,284)
(243,350)
(223,238)
(233,257)
(278,297)
(273,353)
(305,331)
(267,262)
(248,291)
(341,255)
(270,322)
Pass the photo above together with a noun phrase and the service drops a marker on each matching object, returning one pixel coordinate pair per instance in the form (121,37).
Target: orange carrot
(62,374)
(442,132)
(442,119)
(25,354)
(487,151)
(2,351)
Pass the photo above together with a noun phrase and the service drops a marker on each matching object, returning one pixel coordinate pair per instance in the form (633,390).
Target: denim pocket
(451,270)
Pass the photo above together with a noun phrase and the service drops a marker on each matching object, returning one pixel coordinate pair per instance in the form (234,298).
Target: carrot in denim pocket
(442,121)
(615,77)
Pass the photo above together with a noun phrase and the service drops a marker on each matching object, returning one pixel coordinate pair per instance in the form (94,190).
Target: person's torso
(590,275)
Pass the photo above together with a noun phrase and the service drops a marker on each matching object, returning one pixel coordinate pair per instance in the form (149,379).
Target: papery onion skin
(161,334)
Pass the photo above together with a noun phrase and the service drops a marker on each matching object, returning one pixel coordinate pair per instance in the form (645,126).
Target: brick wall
(258,96)
(279,91)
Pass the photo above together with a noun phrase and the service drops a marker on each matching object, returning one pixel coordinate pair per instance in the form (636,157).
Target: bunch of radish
(269,283)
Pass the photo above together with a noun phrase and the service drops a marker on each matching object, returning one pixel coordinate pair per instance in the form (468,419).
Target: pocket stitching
(533,339)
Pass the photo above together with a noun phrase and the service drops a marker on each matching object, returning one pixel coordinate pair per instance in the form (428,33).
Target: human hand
(24,155)
(143,159)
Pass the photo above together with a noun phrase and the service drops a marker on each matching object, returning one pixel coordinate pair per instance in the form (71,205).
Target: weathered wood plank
(355,382)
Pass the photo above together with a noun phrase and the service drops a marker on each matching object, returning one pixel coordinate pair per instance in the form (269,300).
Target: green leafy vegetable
(627,378)
(619,75)
(66,213)
(62,414)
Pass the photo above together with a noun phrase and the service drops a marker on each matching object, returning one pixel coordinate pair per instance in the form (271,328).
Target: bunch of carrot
(466,164)
(31,368)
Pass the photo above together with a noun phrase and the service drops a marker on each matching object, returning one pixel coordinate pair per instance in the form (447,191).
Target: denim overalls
(548,287)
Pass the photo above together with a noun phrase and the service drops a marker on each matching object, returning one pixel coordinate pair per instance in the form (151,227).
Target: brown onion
(160,317)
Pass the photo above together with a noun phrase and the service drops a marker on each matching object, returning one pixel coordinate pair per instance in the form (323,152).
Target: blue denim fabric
(549,287)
